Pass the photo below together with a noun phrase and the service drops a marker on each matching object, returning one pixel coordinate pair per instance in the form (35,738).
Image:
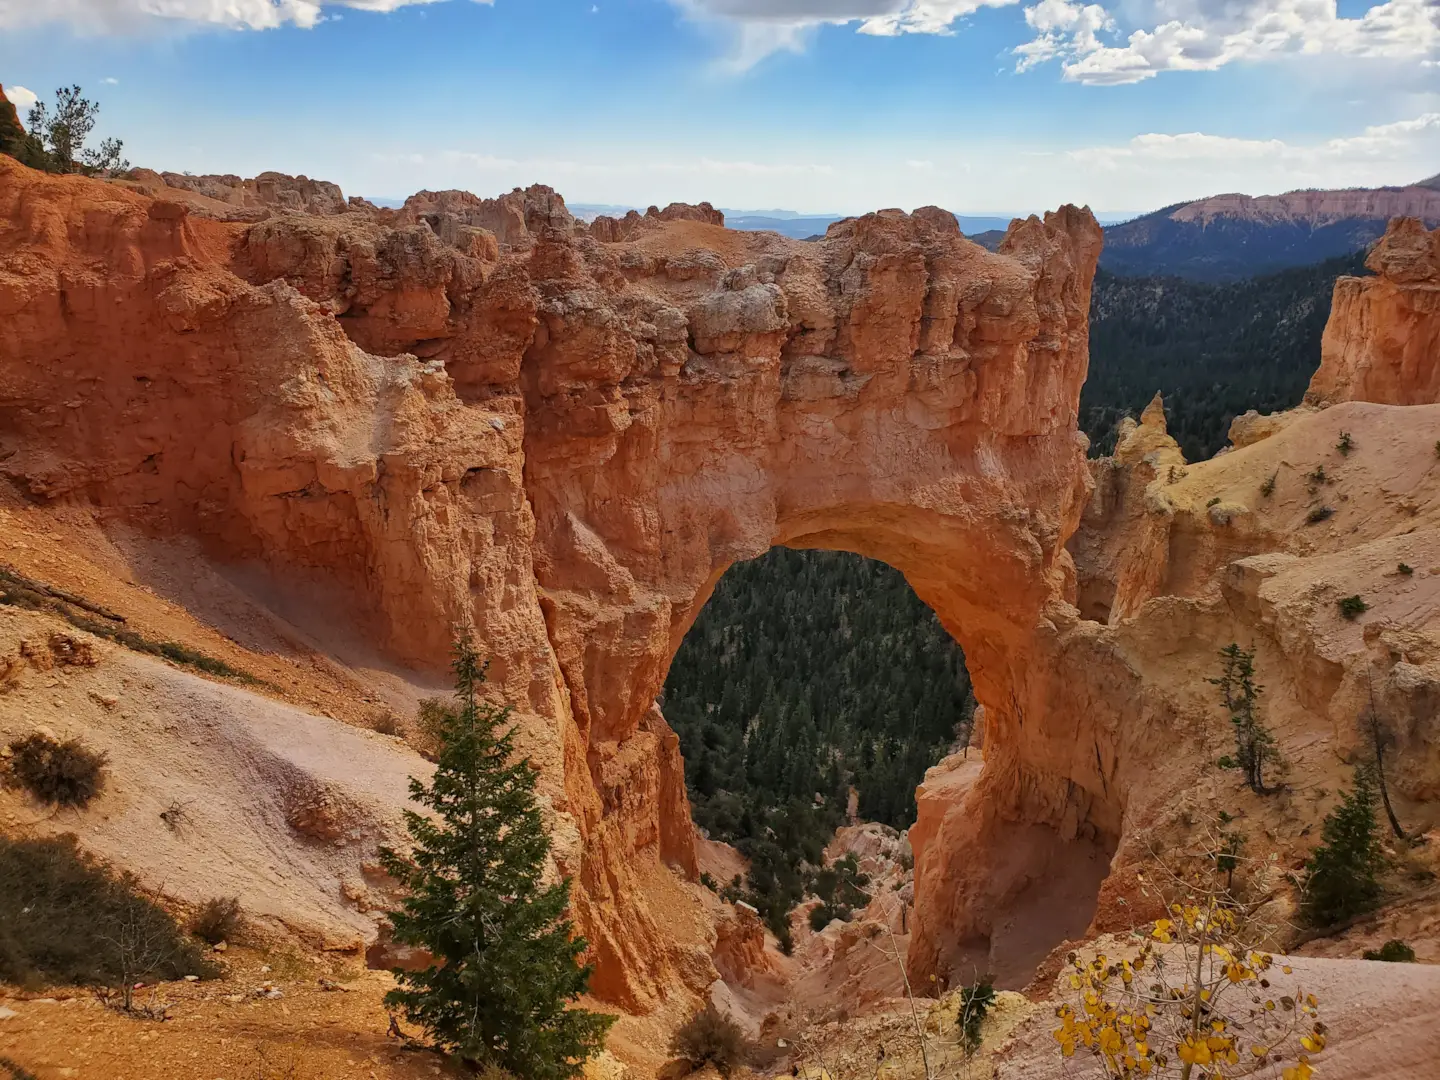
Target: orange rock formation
(494,418)
(1382,342)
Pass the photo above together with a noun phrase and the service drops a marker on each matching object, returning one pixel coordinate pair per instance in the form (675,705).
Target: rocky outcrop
(563,442)
(268,191)
(1382,342)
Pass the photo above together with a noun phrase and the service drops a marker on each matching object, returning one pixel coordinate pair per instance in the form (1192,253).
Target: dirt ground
(223,1029)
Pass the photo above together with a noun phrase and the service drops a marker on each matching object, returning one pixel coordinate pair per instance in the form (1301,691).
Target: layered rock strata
(562,442)
(1382,342)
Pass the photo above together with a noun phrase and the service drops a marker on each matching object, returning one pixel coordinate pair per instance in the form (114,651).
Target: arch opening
(813,691)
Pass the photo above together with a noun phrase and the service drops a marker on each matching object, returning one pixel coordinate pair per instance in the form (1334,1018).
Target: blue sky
(813,105)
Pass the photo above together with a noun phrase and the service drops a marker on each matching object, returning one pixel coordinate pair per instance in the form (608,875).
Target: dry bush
(709,1038)
(16,1071)
(385,722)
(218,919)
(65,918)
(58,773)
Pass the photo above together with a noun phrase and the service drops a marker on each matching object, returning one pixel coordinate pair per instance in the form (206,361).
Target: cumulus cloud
(24,100)
(1127,42)
(1203,35)
(112,16)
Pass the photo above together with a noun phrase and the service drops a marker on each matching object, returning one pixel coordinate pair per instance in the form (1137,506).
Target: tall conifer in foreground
(506,961)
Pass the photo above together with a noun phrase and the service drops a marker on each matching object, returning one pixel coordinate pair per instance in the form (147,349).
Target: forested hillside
(1214,351)
(809,672)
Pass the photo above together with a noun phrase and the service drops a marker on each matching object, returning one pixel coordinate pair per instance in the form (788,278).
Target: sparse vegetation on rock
(975,1002)
(506,970)
(710,1038)
(1352,607)
(57,135)
(1346,444)
(1319,513)
(1392,952)
(67,774)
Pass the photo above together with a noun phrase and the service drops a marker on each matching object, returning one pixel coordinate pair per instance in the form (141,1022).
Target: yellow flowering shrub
(1191,1002)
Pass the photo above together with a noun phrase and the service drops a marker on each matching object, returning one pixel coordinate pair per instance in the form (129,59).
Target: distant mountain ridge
(1228,237)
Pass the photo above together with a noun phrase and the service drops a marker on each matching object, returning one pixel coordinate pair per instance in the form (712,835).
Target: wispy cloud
(1398,140)
(123,16)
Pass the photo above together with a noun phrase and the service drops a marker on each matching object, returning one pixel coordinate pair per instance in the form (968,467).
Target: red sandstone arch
(564,442)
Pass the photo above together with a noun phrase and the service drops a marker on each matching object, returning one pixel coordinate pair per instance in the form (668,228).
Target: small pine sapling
(1346,444)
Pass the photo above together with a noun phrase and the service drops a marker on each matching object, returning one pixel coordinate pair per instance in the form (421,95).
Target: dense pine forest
(1214,351)
(809,672)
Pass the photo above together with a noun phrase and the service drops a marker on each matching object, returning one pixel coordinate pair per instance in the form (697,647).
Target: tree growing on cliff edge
(507,964)
(56,140)
(1254,744)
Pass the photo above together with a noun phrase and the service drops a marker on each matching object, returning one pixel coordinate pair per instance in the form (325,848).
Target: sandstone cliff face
(563,442)
(1382,342)
(1319,208)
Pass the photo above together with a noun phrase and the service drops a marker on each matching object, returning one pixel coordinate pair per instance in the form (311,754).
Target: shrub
(67,919)
(1268,487)
(1351,607)
(58,773)
(975,1002)
(1392,952)
(1159,1012)
(1344,870)
(709,1038)
(1318,477)
(218,919)
(1346,444)
(822,914)
(1215,501)
(15,1070)
(1405,569)
(1319,513)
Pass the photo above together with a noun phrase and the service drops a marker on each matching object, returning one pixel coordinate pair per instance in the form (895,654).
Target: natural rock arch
(563,442)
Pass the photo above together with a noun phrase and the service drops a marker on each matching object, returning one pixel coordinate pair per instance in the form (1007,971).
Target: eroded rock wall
(1382,342)
(562,442)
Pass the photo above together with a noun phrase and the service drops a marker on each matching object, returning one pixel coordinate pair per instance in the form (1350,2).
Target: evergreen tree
(1345,868)
(507,963)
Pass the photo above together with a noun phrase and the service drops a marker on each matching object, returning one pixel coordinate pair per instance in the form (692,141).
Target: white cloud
(1400,142)
(1159,35)
(927,17)
(24,100)
(110,80)
(763,27)
(1203,35)
(111,16)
